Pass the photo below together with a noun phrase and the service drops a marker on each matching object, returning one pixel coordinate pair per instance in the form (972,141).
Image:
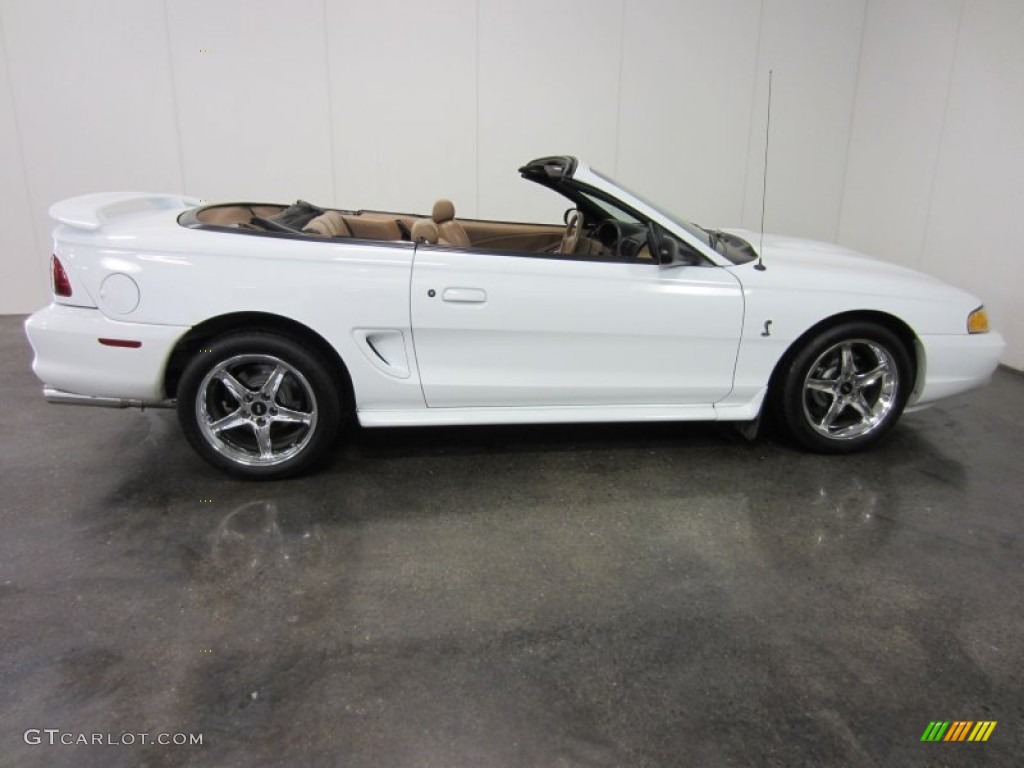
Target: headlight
(977,321)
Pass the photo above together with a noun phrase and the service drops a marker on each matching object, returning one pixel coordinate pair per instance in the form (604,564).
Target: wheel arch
(903,331)
(208,330)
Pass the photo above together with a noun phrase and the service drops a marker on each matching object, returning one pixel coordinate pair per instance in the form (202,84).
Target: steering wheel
(573,227)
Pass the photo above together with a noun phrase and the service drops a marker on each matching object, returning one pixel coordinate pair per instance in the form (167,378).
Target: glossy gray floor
(615,595)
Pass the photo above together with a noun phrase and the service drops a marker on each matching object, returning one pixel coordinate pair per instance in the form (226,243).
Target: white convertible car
(264,324)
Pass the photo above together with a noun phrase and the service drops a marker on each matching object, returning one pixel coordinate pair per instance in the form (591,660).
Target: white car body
(504,338)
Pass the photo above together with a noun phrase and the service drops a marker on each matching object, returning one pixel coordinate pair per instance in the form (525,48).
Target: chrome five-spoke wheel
(259,404)
(850,389)
(256,409)
(844,387)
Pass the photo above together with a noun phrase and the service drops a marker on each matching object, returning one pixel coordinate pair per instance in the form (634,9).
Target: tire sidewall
(791,400)
(290,351)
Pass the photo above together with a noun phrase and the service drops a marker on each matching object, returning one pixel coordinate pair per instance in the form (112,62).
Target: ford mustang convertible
(265,324)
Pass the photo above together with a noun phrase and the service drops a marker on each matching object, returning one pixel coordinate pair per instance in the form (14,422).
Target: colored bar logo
(958,730)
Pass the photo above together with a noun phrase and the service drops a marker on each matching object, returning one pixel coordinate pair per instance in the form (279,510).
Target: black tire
(845,388)
(258,405)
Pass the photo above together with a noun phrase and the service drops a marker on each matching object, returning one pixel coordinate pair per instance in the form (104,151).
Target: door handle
(465,295)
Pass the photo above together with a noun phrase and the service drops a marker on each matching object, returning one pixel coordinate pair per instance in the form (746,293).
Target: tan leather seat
(425,231)
(447,227)
(329,224)
(371,228)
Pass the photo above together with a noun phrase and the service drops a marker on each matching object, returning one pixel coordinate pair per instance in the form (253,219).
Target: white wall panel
(978,199)
(901,100)
(687,85)
(897,124)
(253,105)
(23,288)
(813,47)
(549,75)
(403,93)
(92,90)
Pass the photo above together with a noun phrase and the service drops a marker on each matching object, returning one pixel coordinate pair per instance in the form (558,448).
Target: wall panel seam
(477,106)
(40,268)
(618,88)
(753,111)
(330,106)
(853,118)
(942,137)
(174,97)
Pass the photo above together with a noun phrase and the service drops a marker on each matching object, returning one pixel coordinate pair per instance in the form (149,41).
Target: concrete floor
(557,596)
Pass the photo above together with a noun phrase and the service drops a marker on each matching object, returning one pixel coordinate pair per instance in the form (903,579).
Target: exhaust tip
(60,397)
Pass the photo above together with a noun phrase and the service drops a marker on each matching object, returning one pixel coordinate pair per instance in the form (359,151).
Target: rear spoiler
(91,212)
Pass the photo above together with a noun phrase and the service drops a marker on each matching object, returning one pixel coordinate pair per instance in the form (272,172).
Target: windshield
(609,208)
(699,232)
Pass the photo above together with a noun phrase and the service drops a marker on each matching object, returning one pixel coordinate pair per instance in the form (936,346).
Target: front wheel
(846,388)
(258,405)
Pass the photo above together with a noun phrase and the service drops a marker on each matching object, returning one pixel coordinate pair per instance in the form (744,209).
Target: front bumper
(955,364)
(69,357)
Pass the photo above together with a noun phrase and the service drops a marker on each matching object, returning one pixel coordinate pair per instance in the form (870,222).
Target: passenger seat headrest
(444,210)
(424,230)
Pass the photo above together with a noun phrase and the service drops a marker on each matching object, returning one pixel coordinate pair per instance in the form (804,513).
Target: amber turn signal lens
(977,321)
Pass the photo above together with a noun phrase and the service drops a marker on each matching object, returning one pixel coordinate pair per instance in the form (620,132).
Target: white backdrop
(897,125)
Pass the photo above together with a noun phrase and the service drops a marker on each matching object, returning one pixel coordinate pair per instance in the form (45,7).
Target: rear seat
(329,224)
(369,228)
(361,226)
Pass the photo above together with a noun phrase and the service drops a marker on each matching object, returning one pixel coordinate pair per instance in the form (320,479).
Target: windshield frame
(571,176)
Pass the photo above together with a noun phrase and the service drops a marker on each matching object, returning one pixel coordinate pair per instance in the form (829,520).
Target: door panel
(502,236)
(529,331)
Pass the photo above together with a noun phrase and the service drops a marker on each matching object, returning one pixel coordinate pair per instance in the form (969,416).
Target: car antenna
(760,267)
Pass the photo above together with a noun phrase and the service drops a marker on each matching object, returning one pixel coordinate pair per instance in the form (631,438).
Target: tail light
(61,284)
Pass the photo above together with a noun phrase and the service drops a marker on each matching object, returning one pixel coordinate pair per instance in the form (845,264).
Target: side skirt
(554,415)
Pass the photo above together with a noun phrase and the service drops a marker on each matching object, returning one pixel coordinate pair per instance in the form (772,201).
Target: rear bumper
(70,359)
(955,364)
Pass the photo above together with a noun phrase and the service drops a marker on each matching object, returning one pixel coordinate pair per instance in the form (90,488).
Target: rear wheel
(846,388)
(258,405)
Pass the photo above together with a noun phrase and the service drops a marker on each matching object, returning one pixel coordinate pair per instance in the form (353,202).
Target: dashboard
(622,239)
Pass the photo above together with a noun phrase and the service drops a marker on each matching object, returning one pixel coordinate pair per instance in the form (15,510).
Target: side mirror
(669,251)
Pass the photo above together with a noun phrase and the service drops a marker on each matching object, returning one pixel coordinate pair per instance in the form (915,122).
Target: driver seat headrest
(448,228)
(444,210)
